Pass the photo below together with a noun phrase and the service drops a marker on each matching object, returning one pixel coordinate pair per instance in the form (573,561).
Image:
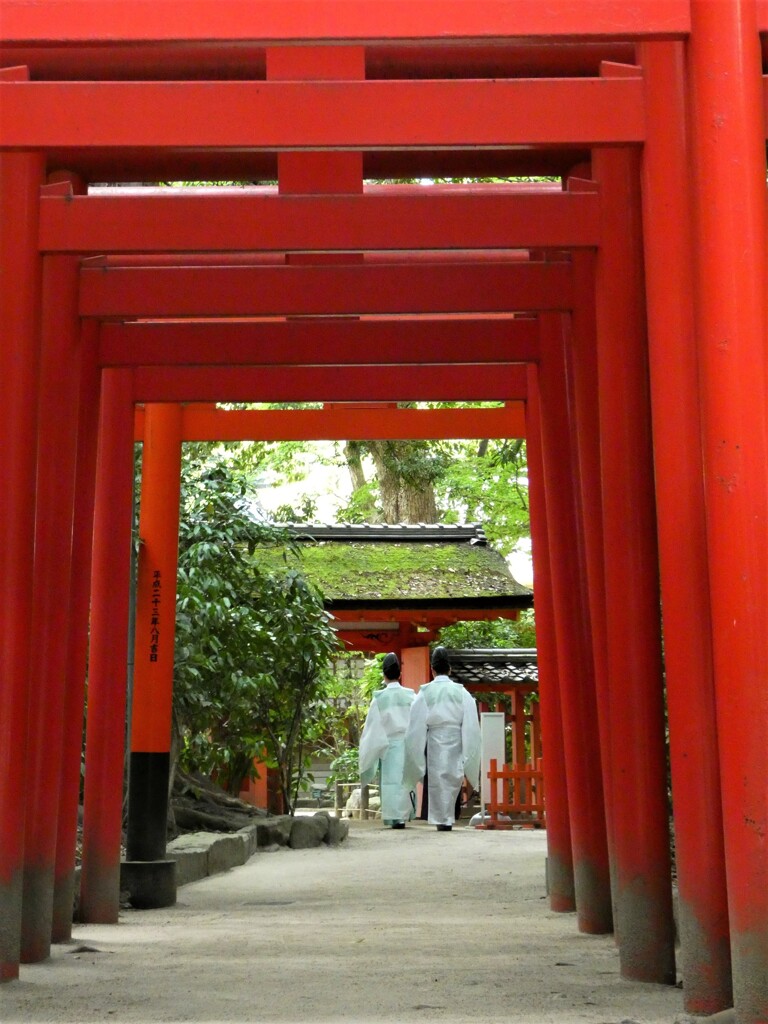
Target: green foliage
(251,646)
(492,633)
(363,505)
(345,766)
(340,714)
(488,483)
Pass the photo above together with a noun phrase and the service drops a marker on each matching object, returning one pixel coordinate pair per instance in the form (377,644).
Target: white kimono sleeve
(416,744)
(373,744)
(470,740)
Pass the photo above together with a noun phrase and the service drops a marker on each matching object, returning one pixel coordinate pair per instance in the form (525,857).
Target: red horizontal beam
(428,218)
(308,21)
(466,382)
(246,60)
(299,342)
(329,115)
(198,291)
(349,422)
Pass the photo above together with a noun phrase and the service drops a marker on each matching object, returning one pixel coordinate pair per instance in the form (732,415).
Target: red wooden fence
(520,804)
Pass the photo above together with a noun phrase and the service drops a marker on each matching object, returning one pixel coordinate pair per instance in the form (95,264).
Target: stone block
(322,819)
(191,855)
(338,830)
(273,832)
(306,833)
(250,839)
(225,853)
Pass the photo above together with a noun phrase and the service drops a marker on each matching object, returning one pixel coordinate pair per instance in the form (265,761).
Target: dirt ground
(408,926)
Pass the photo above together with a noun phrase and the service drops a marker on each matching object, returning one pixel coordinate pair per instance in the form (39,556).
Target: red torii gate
(696,72)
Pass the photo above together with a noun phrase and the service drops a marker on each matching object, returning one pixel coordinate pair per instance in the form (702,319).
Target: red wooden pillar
(110,579)
(574,650)
(152,695)
(583,345)
(640,813)
(77,640)
(21,175)
(55,487)
(415,667)
(703,910)
(728,180)
(559,855)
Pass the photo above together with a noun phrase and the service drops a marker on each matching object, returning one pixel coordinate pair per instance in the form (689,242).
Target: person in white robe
(443,740)
(382,745)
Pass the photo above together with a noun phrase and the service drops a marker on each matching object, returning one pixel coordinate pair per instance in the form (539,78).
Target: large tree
(442,481)
(406,472)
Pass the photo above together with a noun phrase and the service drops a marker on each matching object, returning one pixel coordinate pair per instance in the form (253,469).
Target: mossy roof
(401,569)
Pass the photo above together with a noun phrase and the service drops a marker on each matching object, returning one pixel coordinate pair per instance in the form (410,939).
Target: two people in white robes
(435,732)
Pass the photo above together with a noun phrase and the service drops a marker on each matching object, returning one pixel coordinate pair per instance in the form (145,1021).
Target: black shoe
(398,824)
(444,828)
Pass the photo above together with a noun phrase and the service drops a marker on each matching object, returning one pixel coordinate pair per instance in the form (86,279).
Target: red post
(583,347)
(152,695)
(110,578)
(415,667)
(55,487)
(703,908)
(317,173)
(79,605)
(559,854)
(643,889)
(728,181)
(21,175)
(574,649)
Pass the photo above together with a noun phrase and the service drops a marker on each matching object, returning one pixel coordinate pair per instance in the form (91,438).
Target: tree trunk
(403,500)
(354,455)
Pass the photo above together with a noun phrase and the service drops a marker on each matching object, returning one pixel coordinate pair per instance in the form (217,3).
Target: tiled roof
(421,533)
(510,665)
(410,565)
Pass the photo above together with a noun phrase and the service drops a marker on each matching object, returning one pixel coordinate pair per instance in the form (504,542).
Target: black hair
(440,663)
(391,666)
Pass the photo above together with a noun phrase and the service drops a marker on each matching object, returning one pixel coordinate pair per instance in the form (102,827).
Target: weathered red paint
(575,662)
(583,363)
(728,180)
(54,503)
(79,605)
(559,851)
(107,674)
(643,890)
(509,107)
(20,177)
(687,615)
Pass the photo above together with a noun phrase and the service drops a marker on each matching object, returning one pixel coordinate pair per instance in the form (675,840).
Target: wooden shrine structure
(618,310)
(394,587)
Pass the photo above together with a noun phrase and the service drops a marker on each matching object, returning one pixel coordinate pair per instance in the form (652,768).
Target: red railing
(516,797)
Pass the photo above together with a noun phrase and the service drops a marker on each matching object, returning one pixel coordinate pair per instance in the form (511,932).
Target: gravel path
(408,926)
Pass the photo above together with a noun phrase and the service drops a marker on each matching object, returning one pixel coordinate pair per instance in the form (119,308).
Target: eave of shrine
(395,586)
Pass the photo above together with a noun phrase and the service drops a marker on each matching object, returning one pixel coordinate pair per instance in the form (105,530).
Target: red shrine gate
(626,311)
